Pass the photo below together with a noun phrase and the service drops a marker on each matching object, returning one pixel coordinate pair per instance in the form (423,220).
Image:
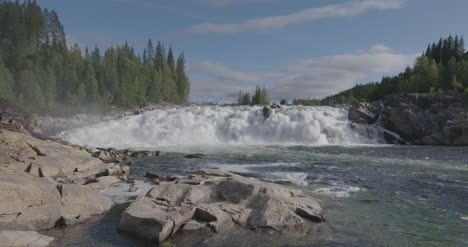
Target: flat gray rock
(24,239)
(220,201)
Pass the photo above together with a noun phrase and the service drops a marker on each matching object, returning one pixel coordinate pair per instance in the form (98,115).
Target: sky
(294,48)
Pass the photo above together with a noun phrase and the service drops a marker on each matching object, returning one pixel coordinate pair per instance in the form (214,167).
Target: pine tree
(159,59)
(246,99)
(149,52)
(170,60)
(183,84)
(169,87)
(39,72)
(7,82)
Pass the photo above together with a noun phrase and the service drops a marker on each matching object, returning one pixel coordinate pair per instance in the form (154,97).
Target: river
(375,194)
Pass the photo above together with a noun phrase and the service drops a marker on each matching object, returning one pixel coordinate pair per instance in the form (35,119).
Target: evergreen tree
(246,99)
(183,83)
(170,60)
(169,87)
(7,83)
(159,59)
(149,53)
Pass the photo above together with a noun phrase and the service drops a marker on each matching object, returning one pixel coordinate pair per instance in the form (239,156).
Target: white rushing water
(216,125)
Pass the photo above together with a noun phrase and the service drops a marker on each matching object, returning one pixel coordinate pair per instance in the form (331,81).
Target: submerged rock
(195,156)
(223,201)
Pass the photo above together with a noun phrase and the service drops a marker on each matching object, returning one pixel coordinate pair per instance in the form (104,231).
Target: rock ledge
(215,201)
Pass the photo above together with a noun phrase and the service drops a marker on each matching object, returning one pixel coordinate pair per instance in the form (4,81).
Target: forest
(259,97)
(442,67)
(41,73)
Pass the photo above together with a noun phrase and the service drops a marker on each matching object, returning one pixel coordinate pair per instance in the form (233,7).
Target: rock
(111,155)
(418,119)
(223,202)
(192,226)
(45,158)
(275,106)
(79,203)
(150,221)
(103,183)
(364,113)
(214,173)
(195,156)
(134,188)
(156,178)
(393,138)
(266,112)
(27,202)
(150,175)
(126,171)
(24,239)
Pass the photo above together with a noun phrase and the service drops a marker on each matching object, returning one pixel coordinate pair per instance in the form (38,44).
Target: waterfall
(226,125)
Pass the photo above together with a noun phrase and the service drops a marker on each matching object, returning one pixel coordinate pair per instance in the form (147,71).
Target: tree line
(442,67)
(40,73)
(259,97)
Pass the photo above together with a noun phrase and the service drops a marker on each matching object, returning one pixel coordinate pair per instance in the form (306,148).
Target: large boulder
(27,202)
(79,203)
(24,239)
(45,158)
(219,201)
(35,203)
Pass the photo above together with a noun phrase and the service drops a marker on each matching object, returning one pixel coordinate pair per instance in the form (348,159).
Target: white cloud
(224,73)
(345,9)
(308,78)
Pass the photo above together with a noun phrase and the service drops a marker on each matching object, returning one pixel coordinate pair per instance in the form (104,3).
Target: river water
(375,194)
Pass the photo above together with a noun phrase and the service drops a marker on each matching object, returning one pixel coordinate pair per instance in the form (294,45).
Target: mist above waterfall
(217,125)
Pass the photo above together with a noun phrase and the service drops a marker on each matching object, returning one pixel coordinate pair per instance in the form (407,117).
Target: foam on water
(338,190)
(214,125)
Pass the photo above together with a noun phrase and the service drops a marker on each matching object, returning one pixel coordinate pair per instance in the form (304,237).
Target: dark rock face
(215,201)
(418,118)
(266,112)
(365,113)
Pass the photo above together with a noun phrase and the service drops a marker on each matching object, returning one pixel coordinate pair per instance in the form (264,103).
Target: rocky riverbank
(46,183)
(418,119)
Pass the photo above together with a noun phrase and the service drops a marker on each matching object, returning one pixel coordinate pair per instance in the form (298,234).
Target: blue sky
(296,48)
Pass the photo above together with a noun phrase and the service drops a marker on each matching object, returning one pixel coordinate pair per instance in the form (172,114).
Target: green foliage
(244,99)
(41,74)
(307,102)
(456,85)
(260,97)
(7,82)
(284,102)
(443,66)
